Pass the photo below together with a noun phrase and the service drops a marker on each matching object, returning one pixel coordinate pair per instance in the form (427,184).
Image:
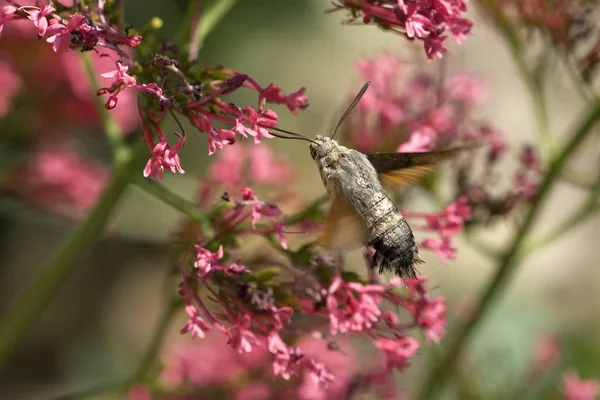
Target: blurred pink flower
(342,362)
(429,314)
(208,362)
(579,389)
(398,351)
(419,142)
(466,89)
(249,164)
(139,392)
(546,351)
(10,84)
(241,337)
(57,178)
(440,246)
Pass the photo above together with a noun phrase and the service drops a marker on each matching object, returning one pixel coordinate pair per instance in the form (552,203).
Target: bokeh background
(95,330)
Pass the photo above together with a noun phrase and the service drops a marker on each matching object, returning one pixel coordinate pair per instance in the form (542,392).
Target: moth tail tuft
(403,267)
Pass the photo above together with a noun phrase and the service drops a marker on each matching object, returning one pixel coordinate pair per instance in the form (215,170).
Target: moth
(361,211)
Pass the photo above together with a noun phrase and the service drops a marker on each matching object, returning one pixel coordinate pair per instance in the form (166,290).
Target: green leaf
(265,275)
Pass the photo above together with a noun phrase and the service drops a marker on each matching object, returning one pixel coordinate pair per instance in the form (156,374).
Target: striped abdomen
(391,238)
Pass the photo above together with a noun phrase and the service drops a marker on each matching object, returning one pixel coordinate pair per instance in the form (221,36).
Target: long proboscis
(291,135)
(350,108)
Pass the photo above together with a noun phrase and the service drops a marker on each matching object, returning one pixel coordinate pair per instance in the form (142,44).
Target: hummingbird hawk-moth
(361,210)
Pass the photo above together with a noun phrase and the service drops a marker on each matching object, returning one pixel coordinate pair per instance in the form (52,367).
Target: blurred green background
(96,329)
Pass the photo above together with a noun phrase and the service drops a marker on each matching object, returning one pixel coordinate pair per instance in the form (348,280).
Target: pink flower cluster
(580,389)
(58,179)
(446,224)
(570,25)
(253,308)
(412,111)
(254,165)
(201,103)
(429,21)
(76,30)
(203,114)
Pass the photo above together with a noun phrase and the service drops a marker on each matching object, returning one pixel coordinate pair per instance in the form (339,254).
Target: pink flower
(429,314)
(39,17)
(206,362)
(121,80)
(279,227)
(398,351)
(206,260)
(56,177)
(7,13)
(578,389)
(260,122)
(254,163)
(432,318)
(496,140)
(530,159)
(286,358)
(425,20)
(417,25)
(139,392)
(81,87)
(434,47)
(353,307)
(319,374)
(195,325)
(240,336)
(265,168)
(57,33)
(282,316)
(318,383)
(442,247)
(216,138)
(420,141)
(467,89)
(546,352)
(120,75)
(293,101)
(163,157)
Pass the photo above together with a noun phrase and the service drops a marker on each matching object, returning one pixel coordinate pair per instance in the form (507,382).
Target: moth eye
(333,165)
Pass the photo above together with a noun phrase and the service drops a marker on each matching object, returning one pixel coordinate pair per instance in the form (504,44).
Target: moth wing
(344,230)
(408,168)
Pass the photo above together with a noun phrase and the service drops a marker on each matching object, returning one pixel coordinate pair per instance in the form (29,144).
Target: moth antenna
(291,135)
(350,108)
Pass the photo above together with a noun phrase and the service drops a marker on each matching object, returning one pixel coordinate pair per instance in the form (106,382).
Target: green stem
(532,79)
(438,376)
(147,362)
(590,208)
(174,200)
(210,17)
(19,319)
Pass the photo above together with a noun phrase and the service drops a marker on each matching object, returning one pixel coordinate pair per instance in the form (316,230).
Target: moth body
(352,181)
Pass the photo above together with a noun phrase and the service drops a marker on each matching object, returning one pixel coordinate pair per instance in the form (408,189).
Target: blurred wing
(344,229)
(408,168)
